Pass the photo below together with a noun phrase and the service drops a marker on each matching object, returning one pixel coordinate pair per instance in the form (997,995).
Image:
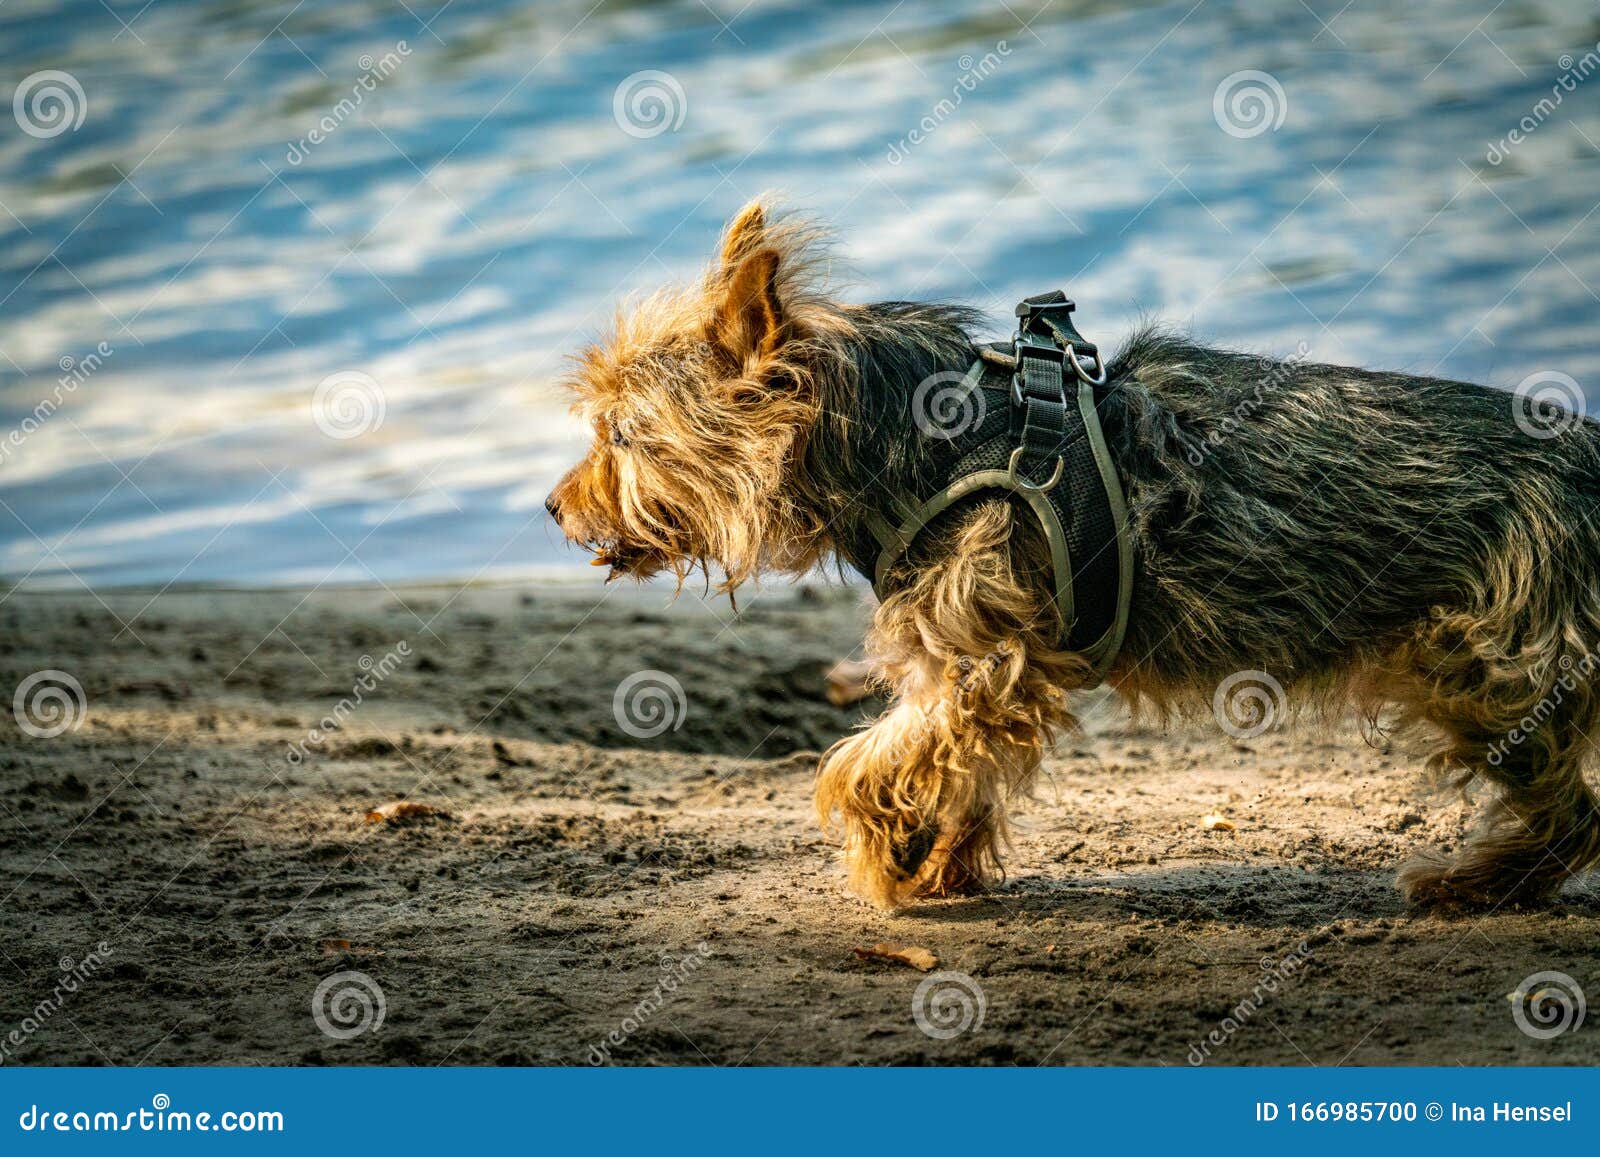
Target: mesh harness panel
(1034,434)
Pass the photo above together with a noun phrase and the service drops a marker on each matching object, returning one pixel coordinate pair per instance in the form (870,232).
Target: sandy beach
(194,851)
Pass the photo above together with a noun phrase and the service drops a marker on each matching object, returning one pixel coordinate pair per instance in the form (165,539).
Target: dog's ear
(749,317)
(743,236)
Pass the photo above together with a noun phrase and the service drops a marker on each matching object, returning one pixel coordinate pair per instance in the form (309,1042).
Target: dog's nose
(553,508)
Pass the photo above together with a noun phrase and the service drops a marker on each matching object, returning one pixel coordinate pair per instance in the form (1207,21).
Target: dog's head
(700,400)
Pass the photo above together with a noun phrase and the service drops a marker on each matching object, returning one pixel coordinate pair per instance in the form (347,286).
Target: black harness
(1027,423)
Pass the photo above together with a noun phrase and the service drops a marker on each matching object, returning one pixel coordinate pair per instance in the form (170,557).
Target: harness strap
(1040,398)
(1059,466)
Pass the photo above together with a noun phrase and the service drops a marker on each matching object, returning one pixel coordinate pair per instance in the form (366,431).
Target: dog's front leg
(979,689)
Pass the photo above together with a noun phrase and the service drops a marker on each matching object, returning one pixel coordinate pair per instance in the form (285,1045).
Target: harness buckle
(1082,355)
(1034,307)
(1027,345)
(1031,345)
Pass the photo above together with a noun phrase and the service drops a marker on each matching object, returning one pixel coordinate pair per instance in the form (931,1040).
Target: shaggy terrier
(1394,543)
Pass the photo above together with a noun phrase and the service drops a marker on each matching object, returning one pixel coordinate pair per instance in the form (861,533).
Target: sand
(593,895)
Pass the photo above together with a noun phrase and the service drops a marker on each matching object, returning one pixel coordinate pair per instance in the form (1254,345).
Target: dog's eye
(618,438)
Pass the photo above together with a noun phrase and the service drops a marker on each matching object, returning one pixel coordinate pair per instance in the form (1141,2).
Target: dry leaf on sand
(1218,824)
(919,958)
(402,810)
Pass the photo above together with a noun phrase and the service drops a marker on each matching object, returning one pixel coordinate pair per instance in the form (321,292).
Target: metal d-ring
(1023,484)
(1099,377)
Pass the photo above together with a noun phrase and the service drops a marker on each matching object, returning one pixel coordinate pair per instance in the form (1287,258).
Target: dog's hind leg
(921,795)
(1523,725)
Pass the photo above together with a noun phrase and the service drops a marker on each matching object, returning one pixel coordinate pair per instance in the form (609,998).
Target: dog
(1392,544)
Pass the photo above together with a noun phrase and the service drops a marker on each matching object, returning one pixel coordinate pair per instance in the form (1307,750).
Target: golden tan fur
(686,381)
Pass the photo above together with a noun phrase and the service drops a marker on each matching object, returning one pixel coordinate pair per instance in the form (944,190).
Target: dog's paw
(1423,885)
(911,853)
(890,870)
(946,868)
(1435,883)
(953,878)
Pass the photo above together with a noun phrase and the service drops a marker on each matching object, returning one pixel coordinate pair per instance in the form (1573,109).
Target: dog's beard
(641,563)
(659,542)
(627,561)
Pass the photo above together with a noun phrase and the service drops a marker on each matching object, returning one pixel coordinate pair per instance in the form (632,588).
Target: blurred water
(205,264)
